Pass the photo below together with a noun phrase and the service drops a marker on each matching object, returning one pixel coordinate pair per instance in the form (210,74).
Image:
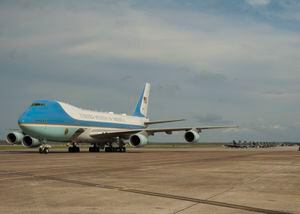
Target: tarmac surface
(173,180)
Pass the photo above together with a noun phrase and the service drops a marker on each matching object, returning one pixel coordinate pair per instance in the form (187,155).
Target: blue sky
(212,62)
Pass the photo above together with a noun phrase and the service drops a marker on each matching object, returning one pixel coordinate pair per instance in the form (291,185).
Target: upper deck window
(38,104)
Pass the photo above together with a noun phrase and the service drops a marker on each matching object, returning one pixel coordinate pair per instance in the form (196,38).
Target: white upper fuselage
(96,116)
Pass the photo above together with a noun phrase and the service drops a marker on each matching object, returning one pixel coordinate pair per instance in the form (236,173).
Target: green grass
(11,147)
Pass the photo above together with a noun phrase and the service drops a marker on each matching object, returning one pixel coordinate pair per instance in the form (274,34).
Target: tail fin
(141,108)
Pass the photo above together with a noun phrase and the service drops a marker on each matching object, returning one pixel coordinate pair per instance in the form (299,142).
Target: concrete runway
(177,180)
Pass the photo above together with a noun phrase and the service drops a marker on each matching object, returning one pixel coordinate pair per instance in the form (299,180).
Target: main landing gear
(108,148)
(120,146)
(94,148)
(74,148)
(44,149)
(115,149)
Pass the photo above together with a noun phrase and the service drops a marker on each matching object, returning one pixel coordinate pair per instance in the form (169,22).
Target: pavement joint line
(162,195)
(220,193)
(186,208)
(232,187)
(203,201)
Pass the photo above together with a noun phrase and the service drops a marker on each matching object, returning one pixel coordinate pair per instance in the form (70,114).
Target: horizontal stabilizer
(163,121)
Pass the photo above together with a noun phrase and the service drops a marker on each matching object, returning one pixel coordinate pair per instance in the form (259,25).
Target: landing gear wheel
(74,149)
(46,150)
(94,148)
(108,149)
(115,149)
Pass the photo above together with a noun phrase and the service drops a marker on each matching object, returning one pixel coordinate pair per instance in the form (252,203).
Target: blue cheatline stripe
(103,124)
(89,124)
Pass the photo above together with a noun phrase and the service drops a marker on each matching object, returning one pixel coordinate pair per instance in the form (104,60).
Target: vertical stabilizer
(141,108)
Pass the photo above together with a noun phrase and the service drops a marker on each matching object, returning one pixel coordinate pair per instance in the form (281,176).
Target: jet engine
(30,141)
(192,136)
(14,138)
(138,140)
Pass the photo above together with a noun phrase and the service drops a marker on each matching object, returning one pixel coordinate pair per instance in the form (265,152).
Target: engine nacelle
(192,136)
(14,138)
(30,141)
(138,140)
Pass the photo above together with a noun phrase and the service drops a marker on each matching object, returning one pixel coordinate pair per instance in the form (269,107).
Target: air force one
(48,121)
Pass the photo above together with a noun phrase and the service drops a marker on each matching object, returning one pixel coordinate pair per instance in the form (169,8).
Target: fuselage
(56,121)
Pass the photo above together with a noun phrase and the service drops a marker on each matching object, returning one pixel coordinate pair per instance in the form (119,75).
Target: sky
(210,62)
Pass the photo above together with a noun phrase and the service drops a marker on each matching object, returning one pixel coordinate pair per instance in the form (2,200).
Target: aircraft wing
(152,131)
(163,121)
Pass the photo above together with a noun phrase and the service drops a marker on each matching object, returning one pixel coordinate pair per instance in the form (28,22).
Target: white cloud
(157,37)
(258,3)
(156,40)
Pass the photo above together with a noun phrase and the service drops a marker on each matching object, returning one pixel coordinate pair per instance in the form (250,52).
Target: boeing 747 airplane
(51,121)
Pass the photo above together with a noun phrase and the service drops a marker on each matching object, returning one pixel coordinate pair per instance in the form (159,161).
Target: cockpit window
(37,104)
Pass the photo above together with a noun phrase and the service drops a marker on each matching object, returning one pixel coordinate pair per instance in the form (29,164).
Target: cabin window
(37,104)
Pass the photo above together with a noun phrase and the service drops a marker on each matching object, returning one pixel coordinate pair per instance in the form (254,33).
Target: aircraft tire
(74,149)
(108,149)
(94,148)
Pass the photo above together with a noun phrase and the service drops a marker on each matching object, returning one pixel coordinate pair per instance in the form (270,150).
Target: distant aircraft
(52,121)
(250,144)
